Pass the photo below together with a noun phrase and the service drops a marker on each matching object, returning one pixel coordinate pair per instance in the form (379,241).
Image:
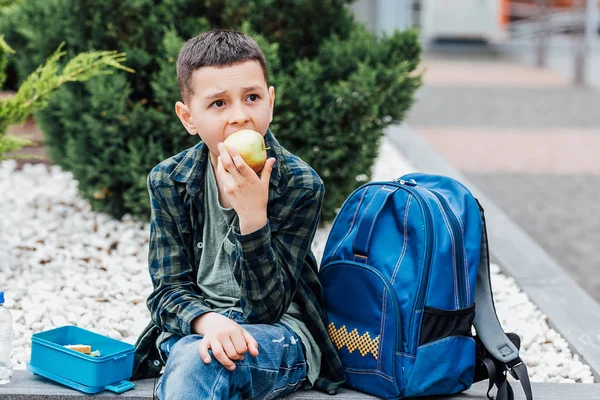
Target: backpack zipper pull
(411,182)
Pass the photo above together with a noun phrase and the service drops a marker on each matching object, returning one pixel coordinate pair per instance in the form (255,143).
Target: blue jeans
(279,368)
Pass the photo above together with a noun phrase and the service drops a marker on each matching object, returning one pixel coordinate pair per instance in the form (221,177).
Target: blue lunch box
(109,371)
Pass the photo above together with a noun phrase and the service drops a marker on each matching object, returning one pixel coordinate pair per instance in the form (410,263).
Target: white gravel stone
(62,263)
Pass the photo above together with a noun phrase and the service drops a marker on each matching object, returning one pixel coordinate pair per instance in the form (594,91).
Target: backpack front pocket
(364,325)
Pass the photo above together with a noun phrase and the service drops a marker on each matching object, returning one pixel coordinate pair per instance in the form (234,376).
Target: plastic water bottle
(6,337)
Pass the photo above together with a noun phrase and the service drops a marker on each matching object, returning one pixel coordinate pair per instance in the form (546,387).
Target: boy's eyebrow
(218,94)
(244,89)
(250,88)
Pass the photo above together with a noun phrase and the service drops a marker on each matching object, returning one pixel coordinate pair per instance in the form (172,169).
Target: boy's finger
(203,349)
(239,342)
(228,163)
(223,173)
(230,349)
(252,344)
(220,355)
(240,164)
(265,174)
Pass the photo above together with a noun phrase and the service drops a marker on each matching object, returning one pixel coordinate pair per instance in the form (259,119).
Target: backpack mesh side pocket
(438,324)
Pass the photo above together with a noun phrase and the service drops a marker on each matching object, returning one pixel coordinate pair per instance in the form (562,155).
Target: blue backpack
(405,274)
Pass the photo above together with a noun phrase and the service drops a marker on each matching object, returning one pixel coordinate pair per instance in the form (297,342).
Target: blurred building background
(559,34)
(510,98)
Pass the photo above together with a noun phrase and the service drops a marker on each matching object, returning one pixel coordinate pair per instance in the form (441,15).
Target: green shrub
(42,83)
(39,87)
(337,86)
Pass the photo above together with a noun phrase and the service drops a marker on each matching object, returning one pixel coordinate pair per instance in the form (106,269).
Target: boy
(236,302)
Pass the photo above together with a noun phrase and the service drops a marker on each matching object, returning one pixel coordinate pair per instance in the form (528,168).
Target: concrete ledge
(570,310)
(26,386)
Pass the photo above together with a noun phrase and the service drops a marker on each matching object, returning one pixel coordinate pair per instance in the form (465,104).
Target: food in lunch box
(83,348)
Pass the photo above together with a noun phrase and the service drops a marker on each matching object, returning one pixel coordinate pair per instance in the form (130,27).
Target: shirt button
(156,363)
(199,245)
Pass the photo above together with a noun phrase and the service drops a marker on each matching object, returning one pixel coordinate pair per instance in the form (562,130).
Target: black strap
(505,391)
(489,365)
(497,369)
(519,371)
(497,377)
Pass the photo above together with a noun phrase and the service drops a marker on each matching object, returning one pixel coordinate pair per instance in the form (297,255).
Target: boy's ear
(271,101)
(185,116)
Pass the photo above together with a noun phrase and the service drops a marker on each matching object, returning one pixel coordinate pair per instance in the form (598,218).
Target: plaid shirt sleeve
(174,302)
(268,264)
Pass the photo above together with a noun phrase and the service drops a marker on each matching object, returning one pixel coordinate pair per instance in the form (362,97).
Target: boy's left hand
(247,192)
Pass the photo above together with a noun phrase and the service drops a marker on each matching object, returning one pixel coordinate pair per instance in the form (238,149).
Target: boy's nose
(238,115)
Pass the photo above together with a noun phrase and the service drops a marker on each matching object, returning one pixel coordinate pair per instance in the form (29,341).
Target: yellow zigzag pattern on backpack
(364,344)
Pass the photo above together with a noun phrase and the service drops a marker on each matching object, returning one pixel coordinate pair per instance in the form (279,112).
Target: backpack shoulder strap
(490,331)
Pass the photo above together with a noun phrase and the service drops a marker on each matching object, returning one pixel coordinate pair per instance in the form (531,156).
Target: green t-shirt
(215,271)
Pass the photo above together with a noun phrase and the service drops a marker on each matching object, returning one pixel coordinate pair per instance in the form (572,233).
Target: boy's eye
(218,104)
(253,97)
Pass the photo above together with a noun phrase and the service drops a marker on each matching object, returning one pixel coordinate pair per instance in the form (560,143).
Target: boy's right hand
(227,339)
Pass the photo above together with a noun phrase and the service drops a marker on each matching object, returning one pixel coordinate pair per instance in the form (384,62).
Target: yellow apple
(251,146)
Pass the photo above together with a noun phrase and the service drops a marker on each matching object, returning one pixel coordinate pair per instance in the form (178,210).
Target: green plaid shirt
(273,266)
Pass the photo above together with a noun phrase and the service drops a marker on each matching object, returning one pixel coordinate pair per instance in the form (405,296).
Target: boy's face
(225,100)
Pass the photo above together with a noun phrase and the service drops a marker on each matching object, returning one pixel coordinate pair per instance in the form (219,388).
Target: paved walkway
(527,138)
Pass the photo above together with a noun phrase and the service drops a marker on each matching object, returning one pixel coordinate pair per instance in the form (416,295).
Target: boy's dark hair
(216,48)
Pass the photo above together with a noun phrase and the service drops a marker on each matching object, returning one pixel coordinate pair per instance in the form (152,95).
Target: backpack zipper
(424,277)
